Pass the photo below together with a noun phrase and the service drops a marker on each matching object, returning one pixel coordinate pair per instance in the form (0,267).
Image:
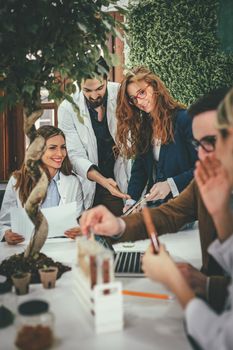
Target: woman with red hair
(154,130)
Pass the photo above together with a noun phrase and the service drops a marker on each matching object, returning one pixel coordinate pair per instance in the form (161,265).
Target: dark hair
(24,181)
(208,102)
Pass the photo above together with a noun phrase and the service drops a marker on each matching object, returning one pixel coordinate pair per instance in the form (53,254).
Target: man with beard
(209,283)
(90,141)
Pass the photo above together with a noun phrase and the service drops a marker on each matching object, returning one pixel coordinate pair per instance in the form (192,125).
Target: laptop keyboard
(128,264)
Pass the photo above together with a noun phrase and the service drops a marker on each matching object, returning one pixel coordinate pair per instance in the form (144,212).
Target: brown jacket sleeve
(167,218)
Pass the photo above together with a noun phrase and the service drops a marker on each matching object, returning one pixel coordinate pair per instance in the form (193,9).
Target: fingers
(112,182)
(201,173)
(15,241)
(76,230)
(113,188)
(119,194)
(70,235)
(150,249)
(160,190)
(154,195)
(13,238)
(126,207)
(206,169)
(101,228)
(73,232)
(90,217)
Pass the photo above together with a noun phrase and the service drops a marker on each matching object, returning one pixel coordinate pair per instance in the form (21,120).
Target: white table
(149,323)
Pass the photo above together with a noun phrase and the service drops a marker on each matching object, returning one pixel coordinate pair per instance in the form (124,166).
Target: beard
(97,102)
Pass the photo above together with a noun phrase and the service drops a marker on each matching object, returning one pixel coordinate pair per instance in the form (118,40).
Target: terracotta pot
(21,282)
(48,276)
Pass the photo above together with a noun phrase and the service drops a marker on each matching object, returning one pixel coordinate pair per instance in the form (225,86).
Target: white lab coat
(81,141)
(69,188)
(210,330)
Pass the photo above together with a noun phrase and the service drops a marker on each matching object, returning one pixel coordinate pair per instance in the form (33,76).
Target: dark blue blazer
(176,160)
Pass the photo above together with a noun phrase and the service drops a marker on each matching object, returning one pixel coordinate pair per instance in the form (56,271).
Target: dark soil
(18,263)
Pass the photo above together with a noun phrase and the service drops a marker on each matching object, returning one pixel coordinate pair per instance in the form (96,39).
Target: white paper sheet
(60,219)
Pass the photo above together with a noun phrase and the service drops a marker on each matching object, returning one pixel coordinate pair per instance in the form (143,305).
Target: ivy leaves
(179,41)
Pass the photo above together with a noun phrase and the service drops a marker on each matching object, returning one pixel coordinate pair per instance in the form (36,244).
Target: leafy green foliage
(179,41)
(226,25)
(42,36)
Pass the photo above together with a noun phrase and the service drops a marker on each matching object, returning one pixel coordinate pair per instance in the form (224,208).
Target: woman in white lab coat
(209,330)
(64,186)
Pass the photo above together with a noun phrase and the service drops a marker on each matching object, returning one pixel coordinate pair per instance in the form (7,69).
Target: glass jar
(6,303)
(35,325)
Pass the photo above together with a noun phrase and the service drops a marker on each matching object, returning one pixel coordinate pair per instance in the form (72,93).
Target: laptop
(128,264)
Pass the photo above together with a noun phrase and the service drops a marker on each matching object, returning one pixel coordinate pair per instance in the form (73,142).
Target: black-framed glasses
(206,142)
(133,100)
(224,132)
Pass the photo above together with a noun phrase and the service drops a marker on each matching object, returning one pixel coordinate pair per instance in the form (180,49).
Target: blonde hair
(225,112)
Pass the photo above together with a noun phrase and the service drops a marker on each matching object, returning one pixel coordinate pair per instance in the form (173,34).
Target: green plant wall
(178,40)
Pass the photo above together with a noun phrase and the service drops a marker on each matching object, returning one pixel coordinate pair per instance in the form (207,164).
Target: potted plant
(39,39)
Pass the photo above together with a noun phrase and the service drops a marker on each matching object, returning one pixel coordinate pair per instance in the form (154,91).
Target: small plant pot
(48,276)
(21,281)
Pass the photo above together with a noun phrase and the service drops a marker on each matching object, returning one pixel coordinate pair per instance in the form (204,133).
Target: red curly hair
(136,130)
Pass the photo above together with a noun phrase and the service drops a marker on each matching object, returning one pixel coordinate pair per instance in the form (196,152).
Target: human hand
(13,238)
(158,267)
(196,280)
(126,207)
(73,232)
(136,210)
(101,221)
(159,190)
(113,188)
(214,184)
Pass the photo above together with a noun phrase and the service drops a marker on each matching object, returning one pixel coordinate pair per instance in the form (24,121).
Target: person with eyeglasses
(207,143)
(214,177)
(154,130)
(210,282)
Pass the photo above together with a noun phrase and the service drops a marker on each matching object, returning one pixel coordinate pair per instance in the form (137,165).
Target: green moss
(179,41)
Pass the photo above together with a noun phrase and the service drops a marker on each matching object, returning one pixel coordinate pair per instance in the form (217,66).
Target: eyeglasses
(224,133)
(133,100)
(207,143)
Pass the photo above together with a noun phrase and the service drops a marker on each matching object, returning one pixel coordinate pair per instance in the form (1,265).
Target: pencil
(151,230)
(147,295)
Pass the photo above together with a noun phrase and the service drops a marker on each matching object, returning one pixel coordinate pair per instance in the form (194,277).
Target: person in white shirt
(209,330)
(90,136)
(64,185)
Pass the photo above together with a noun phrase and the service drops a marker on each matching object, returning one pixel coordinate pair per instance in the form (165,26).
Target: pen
(147,295)
(151,230)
